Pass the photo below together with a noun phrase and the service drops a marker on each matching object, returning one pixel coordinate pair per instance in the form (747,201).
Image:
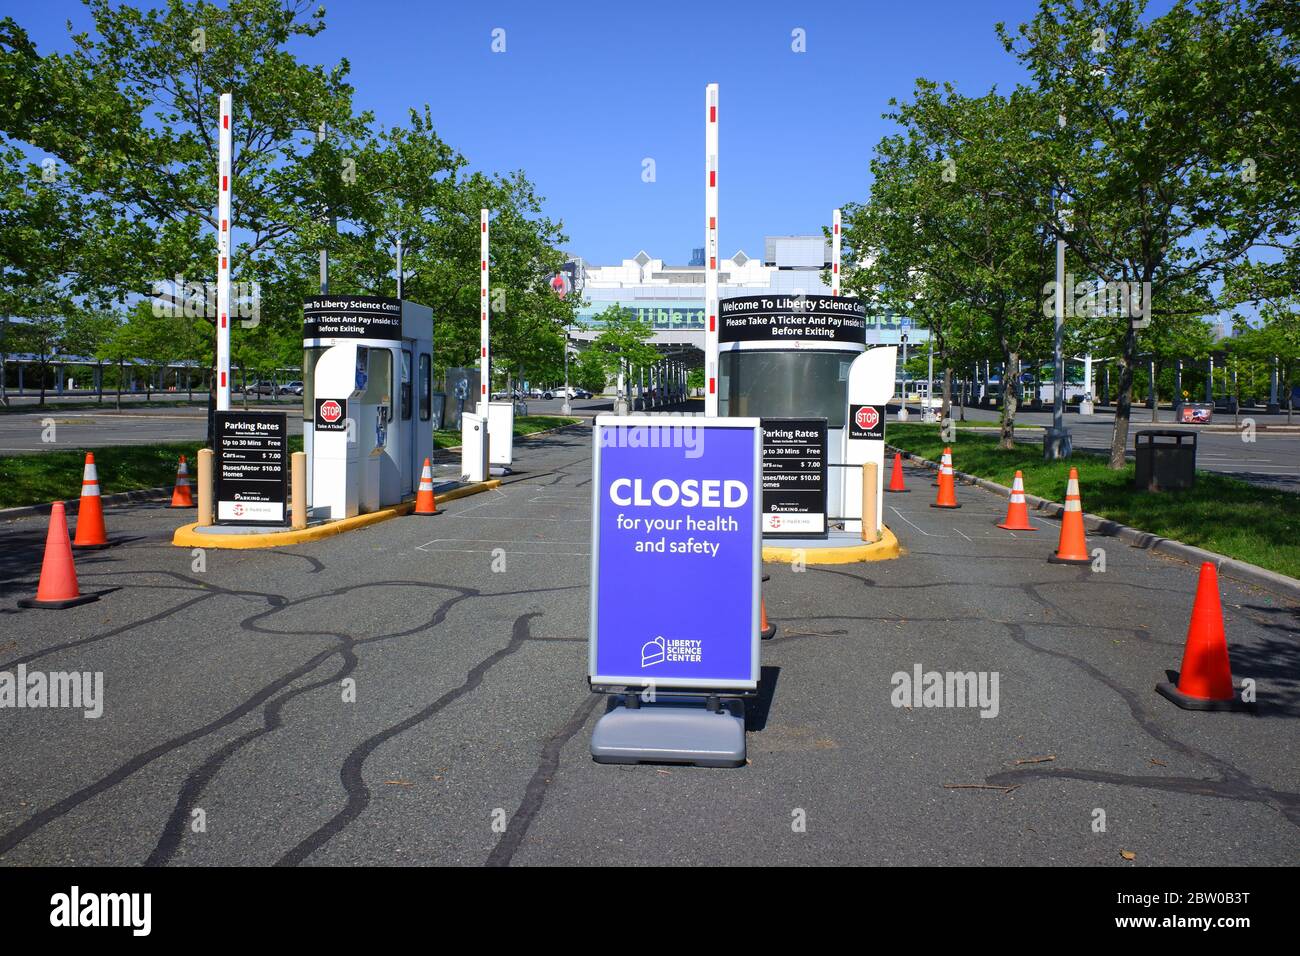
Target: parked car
(559,393)
(262,388)
(291,388)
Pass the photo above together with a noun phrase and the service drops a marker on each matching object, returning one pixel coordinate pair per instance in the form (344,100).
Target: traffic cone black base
(768,632)
(1236,705)
(934,504)
(1079,561)
(58,605)
(92,547)
(898,491)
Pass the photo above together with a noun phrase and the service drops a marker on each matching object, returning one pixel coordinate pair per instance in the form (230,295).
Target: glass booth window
(772,384)
(310,356)
(426,388)
(379,377)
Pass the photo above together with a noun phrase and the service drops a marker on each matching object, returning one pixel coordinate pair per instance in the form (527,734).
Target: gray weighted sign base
(672,730)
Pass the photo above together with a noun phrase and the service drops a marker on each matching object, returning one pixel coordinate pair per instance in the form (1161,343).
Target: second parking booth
(366,401)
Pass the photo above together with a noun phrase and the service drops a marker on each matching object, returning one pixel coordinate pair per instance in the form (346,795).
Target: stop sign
(867,417)
(331,411)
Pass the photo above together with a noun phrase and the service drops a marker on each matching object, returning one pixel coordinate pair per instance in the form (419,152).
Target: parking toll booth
(788,356)
(367,401)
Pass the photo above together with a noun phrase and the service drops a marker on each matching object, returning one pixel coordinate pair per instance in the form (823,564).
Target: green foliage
(588,371)
(622,344)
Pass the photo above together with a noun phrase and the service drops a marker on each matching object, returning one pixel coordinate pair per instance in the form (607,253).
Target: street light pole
(929,381)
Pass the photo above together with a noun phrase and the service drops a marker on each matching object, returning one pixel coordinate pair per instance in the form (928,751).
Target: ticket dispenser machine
(367,402)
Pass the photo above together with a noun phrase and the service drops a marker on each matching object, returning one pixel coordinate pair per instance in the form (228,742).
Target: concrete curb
(886,549)
(73,504)
(187,537)
(1279,584)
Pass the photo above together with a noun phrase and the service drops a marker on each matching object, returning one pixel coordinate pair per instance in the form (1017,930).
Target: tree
(622,344)
(1173,149)
(588,372)
(946,239)
(40,336)
(131,113)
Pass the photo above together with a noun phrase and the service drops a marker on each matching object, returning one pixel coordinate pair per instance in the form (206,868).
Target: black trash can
(1166,459)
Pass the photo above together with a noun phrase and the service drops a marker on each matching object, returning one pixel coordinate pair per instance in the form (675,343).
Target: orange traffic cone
(896,476)
(426,502)
(947,484)
(181,497)
(90,512)
(1205,680)
(766,631)
(1073,546)
(1017,509)
(58,584)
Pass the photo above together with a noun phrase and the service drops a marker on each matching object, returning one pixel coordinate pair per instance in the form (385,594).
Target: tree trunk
(120,376)
(947,395)
(1123,400)
(1010,375)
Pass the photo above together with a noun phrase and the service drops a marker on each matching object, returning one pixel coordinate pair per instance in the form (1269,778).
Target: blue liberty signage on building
(676,552)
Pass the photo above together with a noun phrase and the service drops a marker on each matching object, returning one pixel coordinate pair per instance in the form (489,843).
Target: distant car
(291,388)
(581,393)
(263,388)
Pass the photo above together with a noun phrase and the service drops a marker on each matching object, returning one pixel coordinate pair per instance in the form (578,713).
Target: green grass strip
(1220,514)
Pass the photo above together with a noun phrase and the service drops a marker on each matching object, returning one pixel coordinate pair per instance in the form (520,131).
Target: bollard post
(298,488)
(869,524)
(205,487)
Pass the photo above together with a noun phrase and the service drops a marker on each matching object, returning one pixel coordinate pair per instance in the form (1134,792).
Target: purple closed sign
(676,552)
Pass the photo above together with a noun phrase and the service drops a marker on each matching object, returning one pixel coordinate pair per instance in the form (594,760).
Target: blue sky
(585,92)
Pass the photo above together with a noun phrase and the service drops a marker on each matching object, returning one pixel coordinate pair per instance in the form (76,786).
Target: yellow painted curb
(886,549)
(187,537)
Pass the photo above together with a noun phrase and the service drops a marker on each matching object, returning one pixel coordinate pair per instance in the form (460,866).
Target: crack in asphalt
(1232,779)
(535,793)
(165,849)
(351,774)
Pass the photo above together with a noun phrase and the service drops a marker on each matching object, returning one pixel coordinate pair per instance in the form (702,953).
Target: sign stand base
(703,732)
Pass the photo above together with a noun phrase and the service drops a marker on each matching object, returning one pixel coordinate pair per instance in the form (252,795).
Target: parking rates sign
(676,552)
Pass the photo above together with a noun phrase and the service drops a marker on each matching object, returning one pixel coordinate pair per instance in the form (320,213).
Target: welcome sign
(676,552)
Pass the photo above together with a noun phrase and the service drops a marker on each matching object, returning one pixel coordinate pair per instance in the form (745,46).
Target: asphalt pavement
(24,432)
(414,693)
